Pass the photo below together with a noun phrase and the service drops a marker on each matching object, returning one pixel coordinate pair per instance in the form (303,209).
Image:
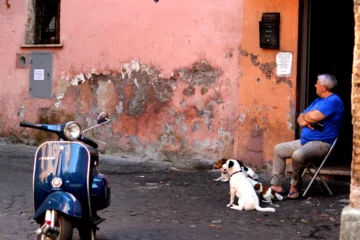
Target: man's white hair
(328,80)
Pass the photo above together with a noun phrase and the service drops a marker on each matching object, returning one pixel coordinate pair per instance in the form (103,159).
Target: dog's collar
(235,173)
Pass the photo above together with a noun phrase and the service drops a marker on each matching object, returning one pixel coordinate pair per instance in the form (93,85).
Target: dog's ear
(231,164)
(242,165)
(223,160)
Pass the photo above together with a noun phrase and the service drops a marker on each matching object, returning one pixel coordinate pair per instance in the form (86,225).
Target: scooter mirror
(103,117)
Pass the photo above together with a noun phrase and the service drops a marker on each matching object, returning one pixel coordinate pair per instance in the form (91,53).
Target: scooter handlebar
(55,129)
(89,142)
(30,125)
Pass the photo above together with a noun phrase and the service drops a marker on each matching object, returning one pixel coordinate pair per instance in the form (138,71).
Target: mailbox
(269,30)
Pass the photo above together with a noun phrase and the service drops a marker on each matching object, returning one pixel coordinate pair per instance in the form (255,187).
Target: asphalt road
(152,201)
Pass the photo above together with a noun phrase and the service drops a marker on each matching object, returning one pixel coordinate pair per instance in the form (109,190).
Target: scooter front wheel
(65,229)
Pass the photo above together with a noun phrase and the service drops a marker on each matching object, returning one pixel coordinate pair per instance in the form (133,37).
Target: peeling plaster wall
(178,83)
(154,115)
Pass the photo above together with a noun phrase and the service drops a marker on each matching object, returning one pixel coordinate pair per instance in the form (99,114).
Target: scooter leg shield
(62,202)
(100,192)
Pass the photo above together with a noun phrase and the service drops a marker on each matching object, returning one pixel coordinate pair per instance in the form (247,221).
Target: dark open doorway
(326,46)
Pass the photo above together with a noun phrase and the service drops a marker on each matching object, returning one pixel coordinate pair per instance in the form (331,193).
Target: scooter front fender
(61,201)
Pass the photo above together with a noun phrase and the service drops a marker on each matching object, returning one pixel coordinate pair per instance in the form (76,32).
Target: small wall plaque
(283,64)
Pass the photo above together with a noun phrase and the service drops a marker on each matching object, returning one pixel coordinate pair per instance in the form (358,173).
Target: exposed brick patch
(284,80)
(254,60)
(243,52)
(190,90)
(267,69)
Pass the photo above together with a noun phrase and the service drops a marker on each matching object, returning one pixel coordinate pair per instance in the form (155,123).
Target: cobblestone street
(152,201)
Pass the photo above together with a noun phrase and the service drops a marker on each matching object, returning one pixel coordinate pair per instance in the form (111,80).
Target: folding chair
(317,171)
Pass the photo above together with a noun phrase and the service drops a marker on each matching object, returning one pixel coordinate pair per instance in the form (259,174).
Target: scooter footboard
(62,202)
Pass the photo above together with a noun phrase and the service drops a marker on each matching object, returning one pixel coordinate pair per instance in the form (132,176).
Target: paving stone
(151,201)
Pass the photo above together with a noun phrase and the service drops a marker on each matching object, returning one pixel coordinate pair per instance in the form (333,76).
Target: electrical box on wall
(41,74)
(269,27)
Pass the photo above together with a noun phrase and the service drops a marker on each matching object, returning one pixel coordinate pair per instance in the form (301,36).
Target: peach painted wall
(173,75)
(266,103)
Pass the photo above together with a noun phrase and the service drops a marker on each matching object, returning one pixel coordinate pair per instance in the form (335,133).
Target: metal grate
(47,22)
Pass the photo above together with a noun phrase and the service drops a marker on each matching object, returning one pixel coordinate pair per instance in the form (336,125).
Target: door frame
(303,59)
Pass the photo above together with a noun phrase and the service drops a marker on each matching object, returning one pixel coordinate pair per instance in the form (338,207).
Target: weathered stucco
(266,103)
(178,83)
(7,4)
(152,114)
(355,100)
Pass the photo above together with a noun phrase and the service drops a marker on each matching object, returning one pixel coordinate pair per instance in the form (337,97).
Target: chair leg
(317,182)
(317,173)
(318,170)
(326,186)
(304,172)
(307,189)
(307,169)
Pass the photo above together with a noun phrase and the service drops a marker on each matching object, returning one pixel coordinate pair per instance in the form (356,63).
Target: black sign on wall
(269,30)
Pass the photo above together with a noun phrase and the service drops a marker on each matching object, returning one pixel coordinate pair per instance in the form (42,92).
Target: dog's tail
(268,209)
(279,197)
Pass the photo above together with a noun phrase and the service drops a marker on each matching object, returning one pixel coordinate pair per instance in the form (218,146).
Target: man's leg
(311,151)
(281,152)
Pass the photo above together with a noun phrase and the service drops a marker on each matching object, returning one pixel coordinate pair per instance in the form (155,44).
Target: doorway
(326,45)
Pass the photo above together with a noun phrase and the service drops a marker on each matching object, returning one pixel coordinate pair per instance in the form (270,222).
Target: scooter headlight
(56,182)
(72,130)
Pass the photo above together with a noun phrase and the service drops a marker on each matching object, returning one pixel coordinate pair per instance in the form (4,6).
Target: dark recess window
(47,22)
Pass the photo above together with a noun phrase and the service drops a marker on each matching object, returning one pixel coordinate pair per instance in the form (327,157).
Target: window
(43,22)
(47,22)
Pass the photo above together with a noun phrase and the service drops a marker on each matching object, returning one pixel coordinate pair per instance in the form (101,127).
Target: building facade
(181,80)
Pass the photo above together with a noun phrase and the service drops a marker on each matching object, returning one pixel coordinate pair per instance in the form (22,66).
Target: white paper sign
(39,74)
(283,64)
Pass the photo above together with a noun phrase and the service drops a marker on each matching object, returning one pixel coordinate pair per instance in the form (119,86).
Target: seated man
(320,123)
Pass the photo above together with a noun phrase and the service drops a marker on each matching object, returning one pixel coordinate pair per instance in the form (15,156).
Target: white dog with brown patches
(241,188)
(265,192)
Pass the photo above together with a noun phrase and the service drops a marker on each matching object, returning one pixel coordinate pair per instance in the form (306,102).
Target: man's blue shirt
(333,108)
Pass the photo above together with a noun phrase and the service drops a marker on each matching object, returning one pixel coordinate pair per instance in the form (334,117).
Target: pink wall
(170,73)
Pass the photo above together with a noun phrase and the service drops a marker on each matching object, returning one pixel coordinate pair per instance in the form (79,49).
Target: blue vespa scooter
(68,188)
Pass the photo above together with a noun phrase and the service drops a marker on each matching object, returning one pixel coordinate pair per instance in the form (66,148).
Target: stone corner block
(350,224)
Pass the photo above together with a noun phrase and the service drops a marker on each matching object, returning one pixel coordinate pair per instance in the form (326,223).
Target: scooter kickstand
(97,220)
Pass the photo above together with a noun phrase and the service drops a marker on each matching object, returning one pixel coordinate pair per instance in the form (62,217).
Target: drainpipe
(350,216)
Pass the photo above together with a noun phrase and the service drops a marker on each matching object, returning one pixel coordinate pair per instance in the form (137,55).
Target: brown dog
(225,177)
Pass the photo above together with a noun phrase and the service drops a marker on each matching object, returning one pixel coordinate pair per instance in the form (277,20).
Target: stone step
(329,170)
